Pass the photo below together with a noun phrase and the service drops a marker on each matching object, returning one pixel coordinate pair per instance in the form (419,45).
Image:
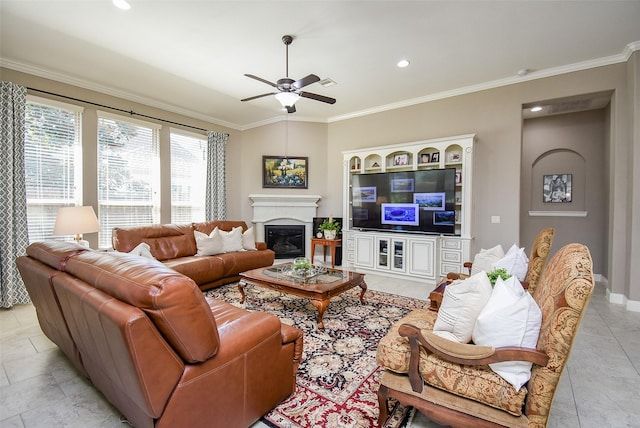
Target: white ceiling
(191,56)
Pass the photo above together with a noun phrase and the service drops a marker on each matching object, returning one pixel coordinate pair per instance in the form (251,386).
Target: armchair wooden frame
(565,288)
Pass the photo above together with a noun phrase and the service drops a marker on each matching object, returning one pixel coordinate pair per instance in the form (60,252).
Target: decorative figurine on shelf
(330,228)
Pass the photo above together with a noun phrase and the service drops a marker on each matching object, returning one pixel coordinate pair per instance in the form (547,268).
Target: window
(52,160)
(128,174)
(188,177)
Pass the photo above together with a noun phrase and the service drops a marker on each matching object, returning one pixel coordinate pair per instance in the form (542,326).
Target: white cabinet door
(364,250)
(422,257)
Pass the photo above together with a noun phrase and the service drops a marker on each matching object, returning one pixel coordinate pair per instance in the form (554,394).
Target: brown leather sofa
(175,246)
(149,341)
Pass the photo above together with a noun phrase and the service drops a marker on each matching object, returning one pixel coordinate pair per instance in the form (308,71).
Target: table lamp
(76,221)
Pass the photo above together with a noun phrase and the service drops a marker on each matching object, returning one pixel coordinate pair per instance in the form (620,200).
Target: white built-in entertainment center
(419,256)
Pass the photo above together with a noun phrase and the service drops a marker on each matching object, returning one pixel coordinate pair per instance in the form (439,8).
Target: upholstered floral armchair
(452,384)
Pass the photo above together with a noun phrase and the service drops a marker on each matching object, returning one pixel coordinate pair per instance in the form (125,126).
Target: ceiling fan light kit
(289,90)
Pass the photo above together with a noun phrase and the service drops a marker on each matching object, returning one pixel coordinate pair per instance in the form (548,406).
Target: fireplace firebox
(287,241)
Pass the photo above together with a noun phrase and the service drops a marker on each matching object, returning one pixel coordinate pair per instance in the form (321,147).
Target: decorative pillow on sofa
(142,249)
(486,258)
(515,262)
(461,304)
(510,318)
(231,241)
(249,240)
(209,245)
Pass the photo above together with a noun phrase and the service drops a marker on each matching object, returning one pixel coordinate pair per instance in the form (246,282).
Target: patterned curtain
(216,190)
(13,198)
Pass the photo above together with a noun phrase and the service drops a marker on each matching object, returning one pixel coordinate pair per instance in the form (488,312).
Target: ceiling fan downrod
(287,40)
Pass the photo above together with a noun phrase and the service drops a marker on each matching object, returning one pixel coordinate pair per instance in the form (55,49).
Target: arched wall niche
(556,162)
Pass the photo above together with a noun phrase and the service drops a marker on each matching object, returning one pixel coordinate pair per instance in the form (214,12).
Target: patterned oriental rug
(338,377)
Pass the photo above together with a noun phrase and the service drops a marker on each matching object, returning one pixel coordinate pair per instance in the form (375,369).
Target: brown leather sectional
(148,340)
(175,246)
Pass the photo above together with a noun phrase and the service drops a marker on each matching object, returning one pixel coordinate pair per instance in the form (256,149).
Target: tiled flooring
(601,388)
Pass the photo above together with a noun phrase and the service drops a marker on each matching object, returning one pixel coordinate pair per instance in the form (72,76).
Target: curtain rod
(131,112)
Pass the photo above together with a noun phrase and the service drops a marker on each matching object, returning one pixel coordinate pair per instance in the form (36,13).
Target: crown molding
(624,56)
(556,71)
(85,84)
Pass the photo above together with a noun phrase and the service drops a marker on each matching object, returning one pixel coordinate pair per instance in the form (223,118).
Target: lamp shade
(76,221)
(287,99)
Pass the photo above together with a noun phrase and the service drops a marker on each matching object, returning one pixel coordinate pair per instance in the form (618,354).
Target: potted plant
(330,228)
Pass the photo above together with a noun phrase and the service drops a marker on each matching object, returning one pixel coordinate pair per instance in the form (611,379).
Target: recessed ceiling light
(121,4)
(536,109)
(403,63)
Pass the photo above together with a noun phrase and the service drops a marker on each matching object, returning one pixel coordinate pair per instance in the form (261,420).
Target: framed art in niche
(556,188)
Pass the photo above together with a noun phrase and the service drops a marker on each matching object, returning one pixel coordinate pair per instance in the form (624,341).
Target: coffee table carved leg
(321,305)
(241,286)
(363,286)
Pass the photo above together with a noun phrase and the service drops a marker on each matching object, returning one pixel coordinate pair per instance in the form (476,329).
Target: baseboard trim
(621,299)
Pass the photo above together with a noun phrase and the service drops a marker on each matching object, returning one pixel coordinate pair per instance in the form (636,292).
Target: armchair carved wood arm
(452,384)
(460,353)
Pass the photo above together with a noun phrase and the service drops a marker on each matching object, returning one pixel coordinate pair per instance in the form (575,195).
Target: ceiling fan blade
(260,79)
(305,81)
(291,109)
(259,96)
(317,97)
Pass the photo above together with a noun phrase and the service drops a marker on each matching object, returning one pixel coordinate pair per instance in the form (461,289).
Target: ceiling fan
(289,90)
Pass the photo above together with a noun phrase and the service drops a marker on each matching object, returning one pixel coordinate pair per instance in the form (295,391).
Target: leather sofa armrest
(293,334)
(261,245)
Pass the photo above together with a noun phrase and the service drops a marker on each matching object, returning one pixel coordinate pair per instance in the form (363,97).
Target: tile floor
(601,388)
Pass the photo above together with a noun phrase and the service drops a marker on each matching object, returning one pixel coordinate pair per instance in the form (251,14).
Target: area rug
(338,377)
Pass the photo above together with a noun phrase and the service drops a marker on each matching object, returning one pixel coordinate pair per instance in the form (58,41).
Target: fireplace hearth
(287,241)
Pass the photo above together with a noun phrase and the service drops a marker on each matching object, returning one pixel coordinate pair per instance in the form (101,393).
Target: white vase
(329,234)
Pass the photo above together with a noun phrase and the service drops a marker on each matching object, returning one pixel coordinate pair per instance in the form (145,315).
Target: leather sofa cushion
(54,253)
(172,301)
(207,227)
(242,261)
(167,241)
(200,269)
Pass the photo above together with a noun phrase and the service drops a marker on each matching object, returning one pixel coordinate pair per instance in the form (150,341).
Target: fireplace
(288,241)
(285,209)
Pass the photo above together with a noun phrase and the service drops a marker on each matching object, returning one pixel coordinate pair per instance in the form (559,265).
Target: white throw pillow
(515,262)
(142,249)
(232,241)
(461,304)
(510,318)
(486,258)
(249,240)
(208,245)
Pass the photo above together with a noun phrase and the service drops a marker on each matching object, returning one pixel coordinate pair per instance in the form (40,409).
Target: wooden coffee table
(319,289)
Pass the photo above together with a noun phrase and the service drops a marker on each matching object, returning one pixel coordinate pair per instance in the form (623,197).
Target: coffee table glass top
(314,275)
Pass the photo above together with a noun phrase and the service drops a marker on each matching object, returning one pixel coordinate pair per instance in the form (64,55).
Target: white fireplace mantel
(278,208)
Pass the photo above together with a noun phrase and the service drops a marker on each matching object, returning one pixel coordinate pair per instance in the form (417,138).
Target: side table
(333,243)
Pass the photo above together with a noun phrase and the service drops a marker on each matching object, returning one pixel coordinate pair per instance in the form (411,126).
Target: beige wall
(285,137)
(494,115)
(567,144)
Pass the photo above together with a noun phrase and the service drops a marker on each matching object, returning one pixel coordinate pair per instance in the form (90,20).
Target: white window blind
(128,174)
(188,177)
(53,161)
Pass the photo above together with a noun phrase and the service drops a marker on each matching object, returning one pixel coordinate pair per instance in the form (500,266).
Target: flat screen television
(405,201)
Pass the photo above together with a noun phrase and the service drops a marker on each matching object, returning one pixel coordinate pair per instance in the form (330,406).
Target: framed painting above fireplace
(285,172)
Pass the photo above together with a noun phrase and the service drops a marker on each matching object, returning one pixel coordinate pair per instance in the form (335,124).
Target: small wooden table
(333,243)
(319,289)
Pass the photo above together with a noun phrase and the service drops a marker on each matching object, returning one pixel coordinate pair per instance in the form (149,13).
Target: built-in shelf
(557,213)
